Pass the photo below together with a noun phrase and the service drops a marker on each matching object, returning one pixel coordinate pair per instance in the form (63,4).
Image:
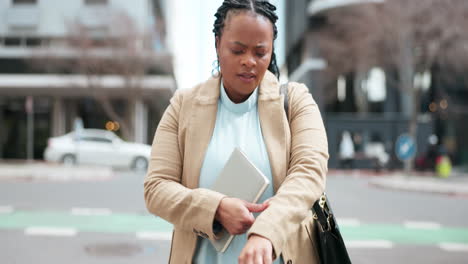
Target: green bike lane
(135,223)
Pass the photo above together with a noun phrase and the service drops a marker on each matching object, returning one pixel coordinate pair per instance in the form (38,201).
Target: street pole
(2,128)
(30,127)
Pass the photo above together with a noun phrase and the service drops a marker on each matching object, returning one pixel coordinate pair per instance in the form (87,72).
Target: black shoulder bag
(331,247)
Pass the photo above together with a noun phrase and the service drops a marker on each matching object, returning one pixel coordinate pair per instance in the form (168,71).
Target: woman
(240,107)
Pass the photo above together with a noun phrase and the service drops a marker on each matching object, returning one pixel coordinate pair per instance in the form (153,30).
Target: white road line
(166,236)
(369,244)
(453,247)
(348,222)
(50,231)
(90,211)
(6,209)
(421,225)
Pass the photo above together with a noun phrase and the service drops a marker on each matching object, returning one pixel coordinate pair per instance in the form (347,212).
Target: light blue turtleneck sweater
(237,125)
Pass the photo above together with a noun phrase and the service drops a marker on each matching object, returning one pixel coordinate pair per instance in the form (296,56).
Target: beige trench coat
(298,154)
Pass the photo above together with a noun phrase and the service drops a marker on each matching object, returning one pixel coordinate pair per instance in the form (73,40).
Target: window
(97,139)
(341,89)
(99,34)
(33,42)
(23,2)
(12,41)
(96,2)
(376,85)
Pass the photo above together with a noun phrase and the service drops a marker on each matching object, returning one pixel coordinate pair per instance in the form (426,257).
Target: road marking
(90,211)
(167,236)
(50,231)
(6,209)
(453,247)
(421,225)
(143,222)
(348,222)
(114,223)
(369,244)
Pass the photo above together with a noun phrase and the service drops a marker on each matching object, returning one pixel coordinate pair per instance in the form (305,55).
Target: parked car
(97,147)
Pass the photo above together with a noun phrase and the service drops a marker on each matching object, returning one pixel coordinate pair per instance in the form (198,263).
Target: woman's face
(244,53)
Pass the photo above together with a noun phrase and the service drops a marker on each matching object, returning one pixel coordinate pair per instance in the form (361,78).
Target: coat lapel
(200,129)
(273,121)
(203,119)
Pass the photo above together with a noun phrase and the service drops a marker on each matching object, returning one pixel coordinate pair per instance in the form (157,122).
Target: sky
(191,40)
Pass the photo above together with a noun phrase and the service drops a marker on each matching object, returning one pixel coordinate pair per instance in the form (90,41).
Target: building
(375,119)
(101,61)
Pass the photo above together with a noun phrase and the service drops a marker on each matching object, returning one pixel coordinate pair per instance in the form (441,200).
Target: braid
(263,8)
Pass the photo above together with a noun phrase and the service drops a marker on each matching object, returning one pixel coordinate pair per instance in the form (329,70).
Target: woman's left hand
(258,250)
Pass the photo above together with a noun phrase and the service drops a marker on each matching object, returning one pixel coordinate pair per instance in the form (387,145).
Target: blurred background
(84,83)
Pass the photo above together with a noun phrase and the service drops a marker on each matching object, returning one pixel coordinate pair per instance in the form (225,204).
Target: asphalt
(455,184)
(425,182)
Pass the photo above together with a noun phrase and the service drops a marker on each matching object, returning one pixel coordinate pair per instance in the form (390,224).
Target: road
(105,221)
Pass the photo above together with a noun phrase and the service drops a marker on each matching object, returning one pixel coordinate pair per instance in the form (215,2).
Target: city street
(105,221)
(89,88)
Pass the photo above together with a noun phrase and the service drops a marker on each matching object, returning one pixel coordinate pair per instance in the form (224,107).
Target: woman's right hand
(236,215)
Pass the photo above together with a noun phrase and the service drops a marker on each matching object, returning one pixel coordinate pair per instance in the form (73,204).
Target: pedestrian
(240,106)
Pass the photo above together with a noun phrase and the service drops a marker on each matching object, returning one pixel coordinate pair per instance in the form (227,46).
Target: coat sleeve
(306,174)
(165,196)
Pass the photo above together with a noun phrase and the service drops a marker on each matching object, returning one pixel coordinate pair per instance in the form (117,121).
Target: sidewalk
(456,184)
(33,171)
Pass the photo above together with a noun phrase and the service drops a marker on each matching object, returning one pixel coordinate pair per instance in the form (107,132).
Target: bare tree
(123,53)
(348,44)
(120,50)
(406,36)
(418,34)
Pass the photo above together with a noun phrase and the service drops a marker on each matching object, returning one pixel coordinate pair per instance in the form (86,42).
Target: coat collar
(272,121)
(209,90)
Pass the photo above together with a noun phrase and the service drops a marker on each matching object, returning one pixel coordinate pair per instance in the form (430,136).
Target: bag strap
(284,92)
(321,207)
(324,205)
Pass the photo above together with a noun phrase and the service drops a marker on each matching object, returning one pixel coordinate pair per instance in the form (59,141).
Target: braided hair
(263,8)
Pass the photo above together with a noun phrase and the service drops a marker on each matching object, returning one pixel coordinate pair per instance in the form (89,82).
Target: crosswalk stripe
(421,225)
(90,211)
(453,247)
(348,222)
(369,244)
(50,231)
(154,236)
(6,209)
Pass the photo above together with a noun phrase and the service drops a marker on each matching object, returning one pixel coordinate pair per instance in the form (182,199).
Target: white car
(97,147)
